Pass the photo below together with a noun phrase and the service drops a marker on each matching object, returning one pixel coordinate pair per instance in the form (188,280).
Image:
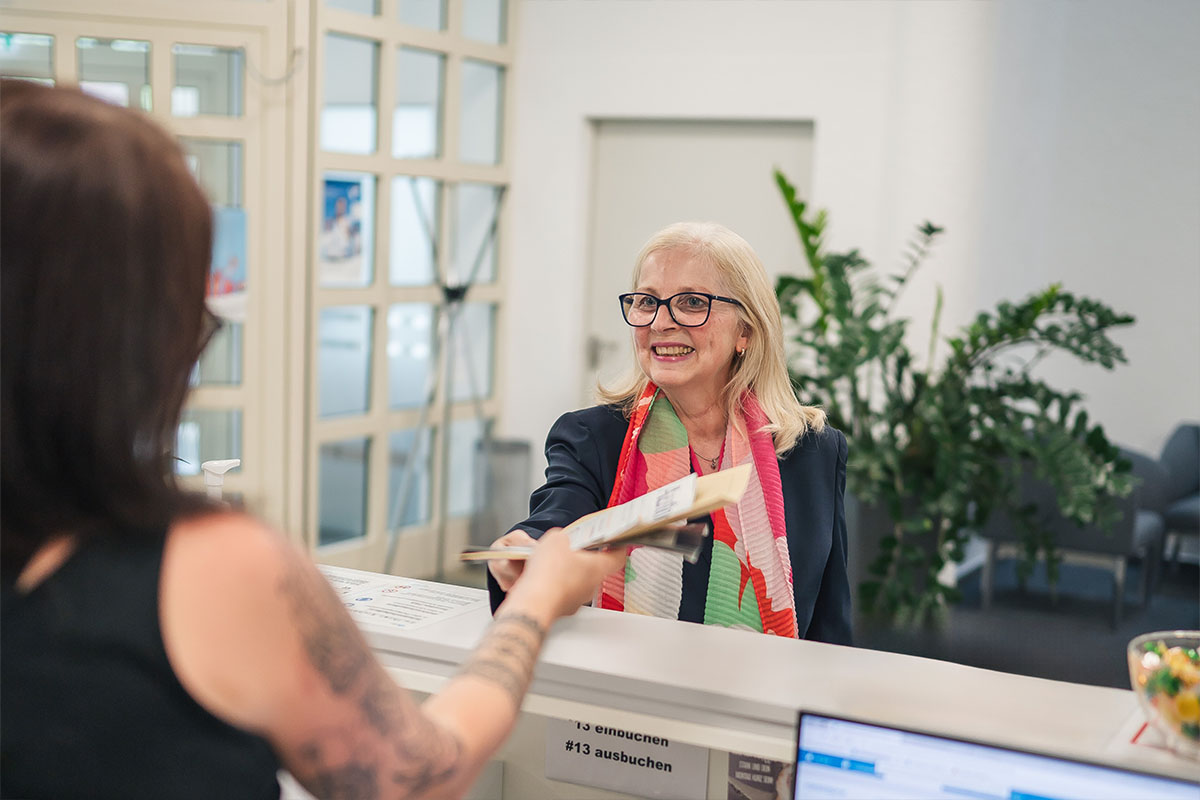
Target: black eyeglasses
(210,326)
(689,309)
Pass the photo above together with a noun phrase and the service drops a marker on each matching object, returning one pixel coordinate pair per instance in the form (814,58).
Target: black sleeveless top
(90,705)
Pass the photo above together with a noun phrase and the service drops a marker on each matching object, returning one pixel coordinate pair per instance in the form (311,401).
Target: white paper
(625,761)
(662,503)
(389,602)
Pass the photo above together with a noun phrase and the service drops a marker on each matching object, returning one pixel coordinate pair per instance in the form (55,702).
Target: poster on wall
(227,273)
(340,248)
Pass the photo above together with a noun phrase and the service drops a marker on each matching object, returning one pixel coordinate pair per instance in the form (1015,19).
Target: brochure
(653,520)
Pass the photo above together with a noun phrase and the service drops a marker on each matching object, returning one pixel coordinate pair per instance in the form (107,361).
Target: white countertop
(740,691)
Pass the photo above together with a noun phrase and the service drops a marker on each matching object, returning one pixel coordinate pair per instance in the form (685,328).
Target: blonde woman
(709,390)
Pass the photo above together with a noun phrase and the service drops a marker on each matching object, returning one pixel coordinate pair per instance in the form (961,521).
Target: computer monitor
(844,758)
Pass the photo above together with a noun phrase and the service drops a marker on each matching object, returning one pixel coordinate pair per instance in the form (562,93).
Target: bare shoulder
(226,627)
(258,637)
(227,541)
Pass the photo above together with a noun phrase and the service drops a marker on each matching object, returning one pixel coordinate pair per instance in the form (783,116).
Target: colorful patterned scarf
(749,539)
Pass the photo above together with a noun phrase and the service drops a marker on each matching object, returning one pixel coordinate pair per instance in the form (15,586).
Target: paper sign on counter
(625,761)
(756,778)
(389,602)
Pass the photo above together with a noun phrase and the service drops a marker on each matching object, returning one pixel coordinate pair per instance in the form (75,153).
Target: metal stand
(439,388)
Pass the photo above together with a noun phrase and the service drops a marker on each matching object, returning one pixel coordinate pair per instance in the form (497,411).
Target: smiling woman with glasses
(709,389)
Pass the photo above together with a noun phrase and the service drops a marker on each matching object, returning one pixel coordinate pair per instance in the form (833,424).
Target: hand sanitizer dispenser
(214,475)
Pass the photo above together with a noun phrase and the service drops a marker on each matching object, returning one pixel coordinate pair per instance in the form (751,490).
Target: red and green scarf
(750,581)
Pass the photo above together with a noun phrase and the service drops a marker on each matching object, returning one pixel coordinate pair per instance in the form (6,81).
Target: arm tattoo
(333,647)
(500,673)
(399,746)
(507,654)
(525,621)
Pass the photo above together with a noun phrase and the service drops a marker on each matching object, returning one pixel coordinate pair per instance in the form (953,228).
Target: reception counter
(734,691)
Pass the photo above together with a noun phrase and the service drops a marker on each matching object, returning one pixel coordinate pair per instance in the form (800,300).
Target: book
(656,519)
(685,539)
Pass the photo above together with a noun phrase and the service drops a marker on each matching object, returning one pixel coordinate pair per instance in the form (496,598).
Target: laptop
(845,758)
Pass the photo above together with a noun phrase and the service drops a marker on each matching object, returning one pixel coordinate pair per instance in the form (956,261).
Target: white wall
(1054,141)
(1092,178)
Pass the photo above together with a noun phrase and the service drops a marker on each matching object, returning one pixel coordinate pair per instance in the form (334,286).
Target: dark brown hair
(105,242)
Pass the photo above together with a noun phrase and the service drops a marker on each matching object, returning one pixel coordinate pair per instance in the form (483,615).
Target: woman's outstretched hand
(564,578)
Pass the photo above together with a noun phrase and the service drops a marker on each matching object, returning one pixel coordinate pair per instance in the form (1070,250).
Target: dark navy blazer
(582,451)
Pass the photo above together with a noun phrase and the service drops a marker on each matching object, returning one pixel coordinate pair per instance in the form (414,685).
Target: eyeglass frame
(211,324)
(666,301)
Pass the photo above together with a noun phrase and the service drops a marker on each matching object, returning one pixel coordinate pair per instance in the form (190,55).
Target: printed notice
(388,602)
(625,761)
(755,778)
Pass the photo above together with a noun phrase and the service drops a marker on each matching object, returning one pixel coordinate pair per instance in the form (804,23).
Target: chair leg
(1118,590)
(1171,547)
(987,580)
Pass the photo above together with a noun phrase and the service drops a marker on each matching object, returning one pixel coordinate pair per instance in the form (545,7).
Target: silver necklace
(712,462)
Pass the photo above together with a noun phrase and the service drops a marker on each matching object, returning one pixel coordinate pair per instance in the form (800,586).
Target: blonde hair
(763,366)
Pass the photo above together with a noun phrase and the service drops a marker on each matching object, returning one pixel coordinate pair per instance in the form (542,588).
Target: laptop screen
(840,758)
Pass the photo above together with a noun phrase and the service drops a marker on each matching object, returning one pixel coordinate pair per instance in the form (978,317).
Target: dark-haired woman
(154,644)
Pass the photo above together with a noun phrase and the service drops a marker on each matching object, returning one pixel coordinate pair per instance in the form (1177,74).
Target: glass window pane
(428,14)
(472,236)
(409,350)
(217,165)
(27,55)
(344,360)
(221,362)
(348,116)
(208,80)
(415,507)
(483,20)
(346,250)
(417,118)
(461,495)
(207,435)
(473,351)
(342,490)
(482,109)
(416,207)
(360,6)
(116,70)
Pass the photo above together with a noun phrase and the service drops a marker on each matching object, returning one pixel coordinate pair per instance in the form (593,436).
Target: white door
(647,174)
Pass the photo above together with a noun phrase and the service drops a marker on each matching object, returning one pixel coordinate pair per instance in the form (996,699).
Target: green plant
(937,443)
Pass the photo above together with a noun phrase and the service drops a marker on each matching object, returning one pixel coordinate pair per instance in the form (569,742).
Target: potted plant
(936,441)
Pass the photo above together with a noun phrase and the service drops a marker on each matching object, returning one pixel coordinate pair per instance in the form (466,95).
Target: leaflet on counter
(390,602)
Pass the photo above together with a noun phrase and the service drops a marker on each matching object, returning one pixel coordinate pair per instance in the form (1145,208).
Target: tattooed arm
(258,637)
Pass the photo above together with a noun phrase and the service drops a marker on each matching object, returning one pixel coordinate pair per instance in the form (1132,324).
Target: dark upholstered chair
(1137,534)
(1181,458)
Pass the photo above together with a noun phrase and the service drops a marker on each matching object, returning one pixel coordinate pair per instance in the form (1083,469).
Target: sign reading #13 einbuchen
(625,761)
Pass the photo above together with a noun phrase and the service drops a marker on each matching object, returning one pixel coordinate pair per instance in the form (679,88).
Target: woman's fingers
(564,577)
(506,571)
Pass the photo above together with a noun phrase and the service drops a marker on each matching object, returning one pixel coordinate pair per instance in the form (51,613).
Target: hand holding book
(653,520)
